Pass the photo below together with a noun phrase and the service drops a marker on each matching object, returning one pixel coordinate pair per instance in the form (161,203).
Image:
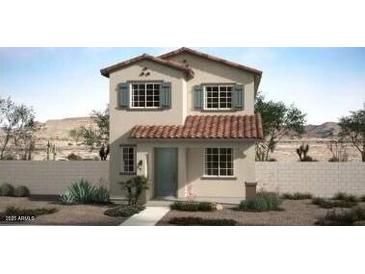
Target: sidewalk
(148,217)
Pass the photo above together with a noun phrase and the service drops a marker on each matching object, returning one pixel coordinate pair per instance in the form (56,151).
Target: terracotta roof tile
(205,127)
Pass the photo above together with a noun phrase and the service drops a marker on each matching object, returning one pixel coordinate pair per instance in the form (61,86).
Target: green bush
(197,221)
(74,157)
(323,203)
(194,206)
(17,211)
(345,217)
(296,196)
(123,211)
(345,197)
(82,192)
(362,198)
(21,191)
(264,201)
(7,190)
(134,188)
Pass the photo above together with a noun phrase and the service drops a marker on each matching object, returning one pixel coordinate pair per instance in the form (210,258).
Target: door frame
(155,187)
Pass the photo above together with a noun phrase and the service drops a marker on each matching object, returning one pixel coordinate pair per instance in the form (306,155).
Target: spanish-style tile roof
(205,127)
(176,65)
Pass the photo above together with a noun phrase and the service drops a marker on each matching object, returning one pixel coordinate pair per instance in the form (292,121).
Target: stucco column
(182,172)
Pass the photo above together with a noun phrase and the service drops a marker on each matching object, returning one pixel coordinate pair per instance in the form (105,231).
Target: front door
(165,172)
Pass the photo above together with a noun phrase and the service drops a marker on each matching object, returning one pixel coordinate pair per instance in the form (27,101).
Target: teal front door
(165,172)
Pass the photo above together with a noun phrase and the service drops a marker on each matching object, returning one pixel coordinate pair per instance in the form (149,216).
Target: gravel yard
(295,212)
(66,215)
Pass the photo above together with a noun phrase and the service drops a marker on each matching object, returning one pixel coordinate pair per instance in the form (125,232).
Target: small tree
(337,147)
(75,134)
(96,136)
(8,120)
(24,133)
(134,187)
(277,120)
(353,130)
(17,125)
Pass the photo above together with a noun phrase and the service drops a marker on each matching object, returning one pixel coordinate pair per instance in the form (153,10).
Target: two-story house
(185,120)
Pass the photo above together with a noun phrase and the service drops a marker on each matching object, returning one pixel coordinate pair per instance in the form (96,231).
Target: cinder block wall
(320,179)
(53,177)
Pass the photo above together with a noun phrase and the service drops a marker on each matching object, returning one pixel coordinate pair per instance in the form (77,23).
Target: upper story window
(218,97)
(145,95)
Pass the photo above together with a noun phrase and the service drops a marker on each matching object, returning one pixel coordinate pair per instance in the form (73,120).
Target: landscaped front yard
(64,215)
(300,212)
(336,211)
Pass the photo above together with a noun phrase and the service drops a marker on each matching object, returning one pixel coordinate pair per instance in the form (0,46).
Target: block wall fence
(320,179)
(53,177)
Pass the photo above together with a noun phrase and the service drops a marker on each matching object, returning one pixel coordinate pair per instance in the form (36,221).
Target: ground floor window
(219,162)
(128,159)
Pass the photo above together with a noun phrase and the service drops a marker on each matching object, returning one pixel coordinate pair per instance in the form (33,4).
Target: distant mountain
(59,129)
(326,130)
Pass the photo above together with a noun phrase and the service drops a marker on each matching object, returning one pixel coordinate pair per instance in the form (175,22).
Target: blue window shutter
(123,95)
(165,95)
(198,97)
(238,97)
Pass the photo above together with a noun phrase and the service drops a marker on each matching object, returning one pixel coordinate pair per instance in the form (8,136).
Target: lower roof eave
(193,140)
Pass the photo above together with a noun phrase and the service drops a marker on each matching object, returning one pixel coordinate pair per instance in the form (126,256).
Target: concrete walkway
(148,217)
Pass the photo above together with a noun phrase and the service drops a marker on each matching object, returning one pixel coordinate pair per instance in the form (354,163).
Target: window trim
(122,170)
(206,176)
(205,96)
(144,83)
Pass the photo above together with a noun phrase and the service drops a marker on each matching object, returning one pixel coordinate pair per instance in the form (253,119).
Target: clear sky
(325,83)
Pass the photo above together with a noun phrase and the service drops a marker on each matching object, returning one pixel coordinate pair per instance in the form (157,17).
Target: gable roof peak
(106,71)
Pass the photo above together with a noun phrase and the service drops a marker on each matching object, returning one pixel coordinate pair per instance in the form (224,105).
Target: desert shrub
(323,203)
(264,201)
(345,217)
(345,197)
(82,192)
(194,206)
(9,157)
(101,195)
(123,211)
(134,187)
(17,211)
(21,191)
(7,190)
(197,221)
(296,196)
(74,157)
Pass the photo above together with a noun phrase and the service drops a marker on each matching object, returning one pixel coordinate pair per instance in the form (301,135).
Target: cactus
(54,152)
(48,149)
(51,148)
(302,152)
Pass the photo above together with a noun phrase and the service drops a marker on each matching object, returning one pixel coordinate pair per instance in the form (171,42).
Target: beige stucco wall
(207,71)
(122,121)
(191,163)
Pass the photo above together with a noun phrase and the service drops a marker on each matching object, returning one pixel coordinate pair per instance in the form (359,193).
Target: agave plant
(82,192)
(101,195)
